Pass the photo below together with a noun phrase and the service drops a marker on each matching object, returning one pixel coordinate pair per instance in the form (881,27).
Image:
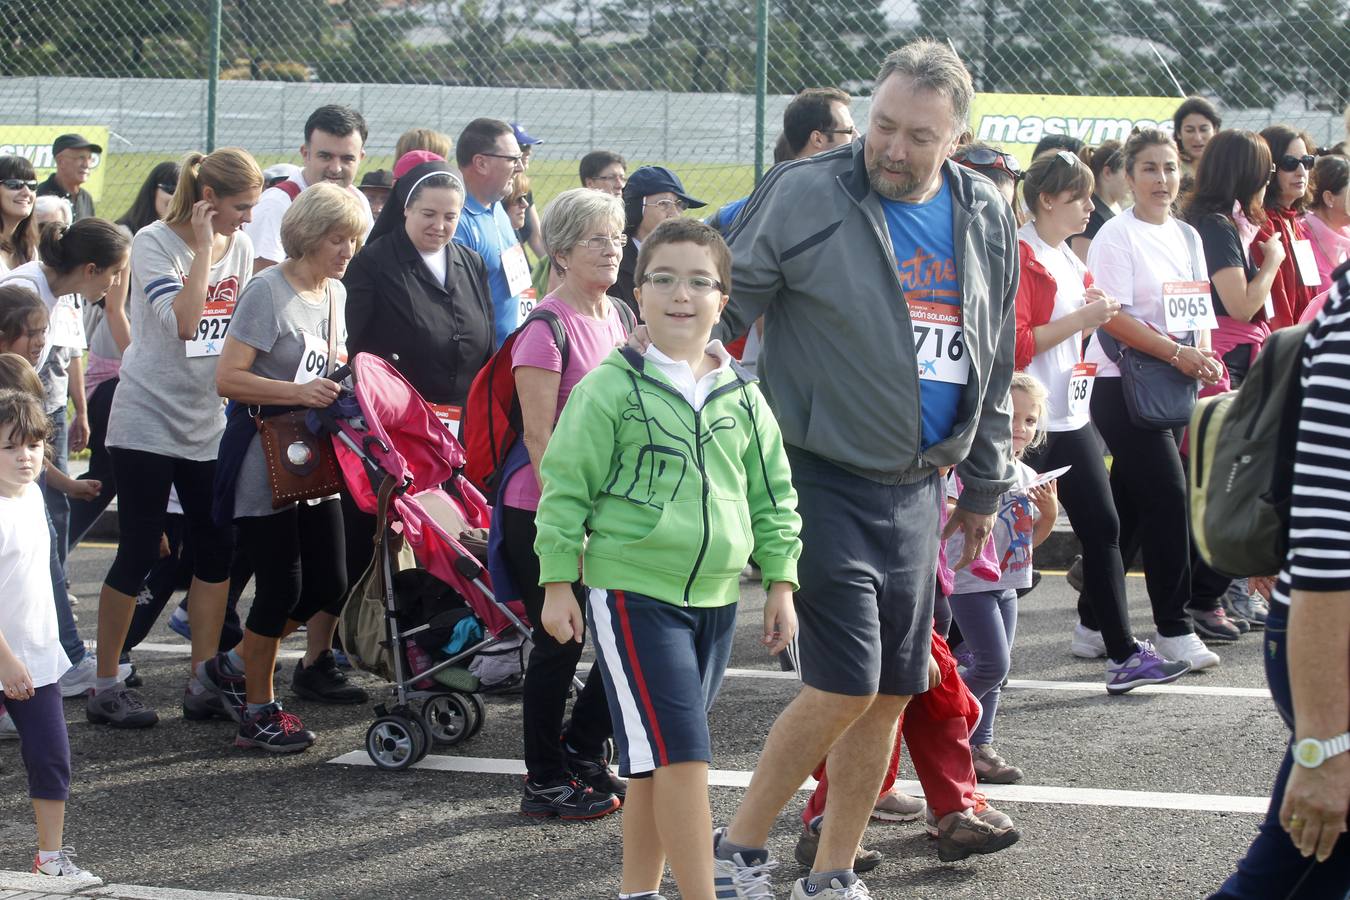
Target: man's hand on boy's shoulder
(780,618)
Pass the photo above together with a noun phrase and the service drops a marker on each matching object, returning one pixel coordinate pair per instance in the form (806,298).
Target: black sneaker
(595,774)
(569,800)
(204,706)
(133,679)
(274,730)
(324,682)
(221,680)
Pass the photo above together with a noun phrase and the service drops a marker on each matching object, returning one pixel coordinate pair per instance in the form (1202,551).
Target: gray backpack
(1242,462)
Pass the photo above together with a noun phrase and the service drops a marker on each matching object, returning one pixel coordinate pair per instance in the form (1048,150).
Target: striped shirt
(1319,527)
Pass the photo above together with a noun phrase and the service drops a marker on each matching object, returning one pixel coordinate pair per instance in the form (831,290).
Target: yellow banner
(34,142)
(1017,122)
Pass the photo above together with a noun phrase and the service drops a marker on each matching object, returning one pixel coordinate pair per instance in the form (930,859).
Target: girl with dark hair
(1110,193)
(1194,125)
(1328,218)
(1286,198)
(153,199)
(18,202)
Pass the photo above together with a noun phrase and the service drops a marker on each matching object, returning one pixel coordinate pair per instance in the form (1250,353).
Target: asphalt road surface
(1145,796)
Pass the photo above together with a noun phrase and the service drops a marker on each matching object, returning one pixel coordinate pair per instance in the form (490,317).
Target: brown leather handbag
(301,465)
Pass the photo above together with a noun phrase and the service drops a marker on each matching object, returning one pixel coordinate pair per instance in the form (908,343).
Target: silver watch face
(1309,753)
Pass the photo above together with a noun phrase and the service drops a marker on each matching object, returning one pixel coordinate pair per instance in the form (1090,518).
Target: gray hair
(936,67)
(48,206)
(571,215)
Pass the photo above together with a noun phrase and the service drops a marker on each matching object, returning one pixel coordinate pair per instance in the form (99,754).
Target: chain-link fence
(671,81)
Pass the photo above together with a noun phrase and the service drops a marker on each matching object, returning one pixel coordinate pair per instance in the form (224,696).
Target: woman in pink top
(583,233)
(1328,217)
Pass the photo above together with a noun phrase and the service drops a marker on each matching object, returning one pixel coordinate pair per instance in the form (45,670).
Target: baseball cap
(74,142)
(279,172)
(650,180)
(414,158)
(523,137)
(377,179)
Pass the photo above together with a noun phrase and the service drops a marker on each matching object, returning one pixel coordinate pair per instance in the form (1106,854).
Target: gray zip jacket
(812,254)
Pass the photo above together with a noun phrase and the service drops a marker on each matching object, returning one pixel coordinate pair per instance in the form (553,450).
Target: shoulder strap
(289,188)
(1192,237)
(555,323)
(332,328)
(625,314)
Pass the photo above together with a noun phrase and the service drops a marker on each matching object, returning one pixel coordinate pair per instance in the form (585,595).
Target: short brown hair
(686,231)
(18,374)
(1054,173)
(423,139)
(319,210)
(24,414)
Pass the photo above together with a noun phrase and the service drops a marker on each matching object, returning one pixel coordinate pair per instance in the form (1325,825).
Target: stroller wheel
(480,710)
(394,743)
(450,718)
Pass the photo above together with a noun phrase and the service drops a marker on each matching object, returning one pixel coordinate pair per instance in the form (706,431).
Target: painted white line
(41,885)
(185,649)
(1014,793)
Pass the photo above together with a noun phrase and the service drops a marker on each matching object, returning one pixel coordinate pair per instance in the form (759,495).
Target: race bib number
(314,359)
(215,322)
(67,326)
(1080,388)
(939,342)
(1307,263)
(449,416)
(516,269)
(1188,306)
(528,301)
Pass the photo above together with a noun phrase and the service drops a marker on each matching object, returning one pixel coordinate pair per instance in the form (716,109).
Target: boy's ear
(722,304)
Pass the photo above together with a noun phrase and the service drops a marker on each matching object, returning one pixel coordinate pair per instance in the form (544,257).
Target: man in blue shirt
(489,158)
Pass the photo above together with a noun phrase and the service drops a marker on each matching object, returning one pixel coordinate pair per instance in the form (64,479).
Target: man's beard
(892,190)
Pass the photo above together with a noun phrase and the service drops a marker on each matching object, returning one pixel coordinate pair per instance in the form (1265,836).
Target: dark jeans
(299,569)
(66,629)
(84,513)
(1085,491)
(58,505)
(1273,869)
(1149,490)
(44,742)
(548,674)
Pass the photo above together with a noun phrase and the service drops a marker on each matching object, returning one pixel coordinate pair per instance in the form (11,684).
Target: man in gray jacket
(886,276)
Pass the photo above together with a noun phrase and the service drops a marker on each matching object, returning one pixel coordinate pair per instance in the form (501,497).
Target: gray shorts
(867,571)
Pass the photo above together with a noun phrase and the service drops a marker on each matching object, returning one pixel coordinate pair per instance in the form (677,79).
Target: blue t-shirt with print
(487,230)
(921,236)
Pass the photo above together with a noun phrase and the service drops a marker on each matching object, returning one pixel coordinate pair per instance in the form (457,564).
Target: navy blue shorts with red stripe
(662,665)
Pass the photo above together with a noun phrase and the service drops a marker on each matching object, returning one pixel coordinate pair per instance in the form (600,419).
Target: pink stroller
(400,463)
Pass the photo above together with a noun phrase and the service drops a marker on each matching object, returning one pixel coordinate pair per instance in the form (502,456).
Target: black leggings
(548,674)
(1149,489)
(84,513)
(1085,491)
(298,558)
(144,480)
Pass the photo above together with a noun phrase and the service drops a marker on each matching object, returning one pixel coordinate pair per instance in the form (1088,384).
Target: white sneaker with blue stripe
(743,877)
(835,890)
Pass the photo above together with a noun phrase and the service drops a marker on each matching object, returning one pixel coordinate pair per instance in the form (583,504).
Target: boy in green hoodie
(672,463)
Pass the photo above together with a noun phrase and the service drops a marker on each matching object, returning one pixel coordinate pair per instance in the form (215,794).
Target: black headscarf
(391,217)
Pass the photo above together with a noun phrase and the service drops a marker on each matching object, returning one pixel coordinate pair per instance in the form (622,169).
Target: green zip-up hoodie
(674,500)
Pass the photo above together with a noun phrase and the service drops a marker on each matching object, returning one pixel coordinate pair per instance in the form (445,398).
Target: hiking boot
(120,708)
(63,866)
(1086,643)
(897,806)
(568,799)
(835,890)
(594,774)
(324,682)
(962,833)
(992,768)
(219,678)
(274,730)
(1075,574)
(1214,625)
(1248,605)
(1186,647)
(864,860)
(746,876)
(204,706)
(1144,666)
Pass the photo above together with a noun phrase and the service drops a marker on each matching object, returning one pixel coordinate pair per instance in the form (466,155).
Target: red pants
(936,726)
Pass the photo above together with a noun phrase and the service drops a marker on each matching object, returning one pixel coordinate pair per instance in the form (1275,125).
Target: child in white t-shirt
(31,658)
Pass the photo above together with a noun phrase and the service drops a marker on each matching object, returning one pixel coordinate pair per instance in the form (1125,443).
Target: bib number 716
(939,342)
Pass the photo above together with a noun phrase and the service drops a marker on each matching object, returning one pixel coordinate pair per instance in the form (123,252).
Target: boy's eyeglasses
(665,283)
(18,184)
(601,242)
(1290,163)
(988,158)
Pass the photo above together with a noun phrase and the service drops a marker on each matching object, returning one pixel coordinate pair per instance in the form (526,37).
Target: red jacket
(1288,294)
(1036,292)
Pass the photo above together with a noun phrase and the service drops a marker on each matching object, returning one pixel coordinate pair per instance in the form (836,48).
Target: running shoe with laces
(992,768)
(567,799)
(119,707)
(835,890)
(1251,606)
(324,682)
(746,876)
(1186,647)
(219,678)
(897,806)
(1086,643)
(962,833)
(1214,625)
(1144,666)
(63,866)
(204,706)
(982,810)
(274,730)
(808,845)
(594,773)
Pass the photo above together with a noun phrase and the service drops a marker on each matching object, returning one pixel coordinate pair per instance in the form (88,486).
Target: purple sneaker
(1144,666)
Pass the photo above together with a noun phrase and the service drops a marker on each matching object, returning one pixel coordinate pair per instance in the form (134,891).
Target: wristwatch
(1311,753)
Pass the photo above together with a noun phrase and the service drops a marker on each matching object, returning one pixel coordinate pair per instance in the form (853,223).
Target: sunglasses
(988,158)
(1289,163)
(18,184)
(167,188)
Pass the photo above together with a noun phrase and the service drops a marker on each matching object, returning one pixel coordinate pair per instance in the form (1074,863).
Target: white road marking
(1014,793)
(27,885)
